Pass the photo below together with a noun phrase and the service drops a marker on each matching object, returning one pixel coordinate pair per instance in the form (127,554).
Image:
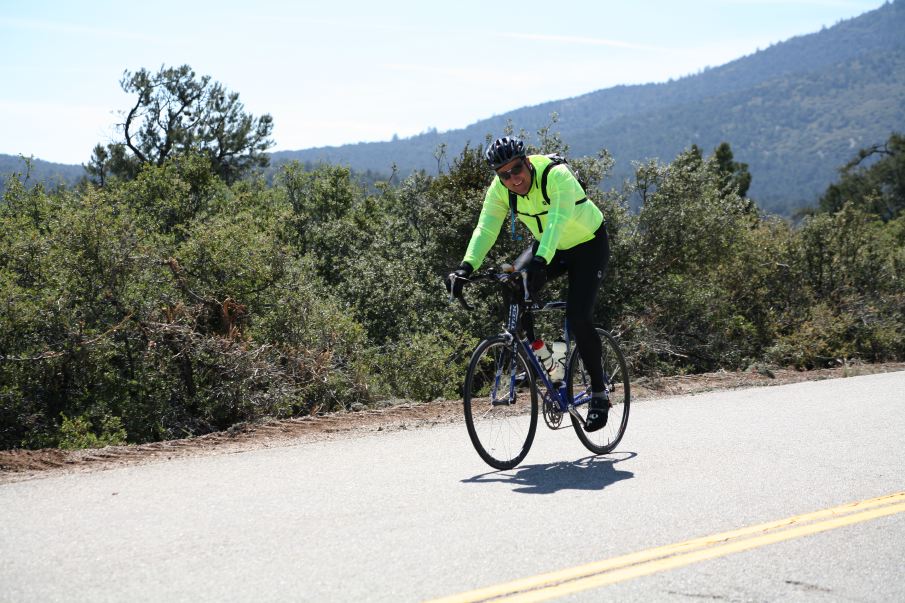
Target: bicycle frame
(559,394)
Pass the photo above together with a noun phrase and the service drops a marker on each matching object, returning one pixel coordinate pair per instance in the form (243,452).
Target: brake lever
(461,298)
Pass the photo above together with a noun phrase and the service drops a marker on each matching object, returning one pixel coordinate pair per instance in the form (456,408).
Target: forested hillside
(794,112)
(51,174)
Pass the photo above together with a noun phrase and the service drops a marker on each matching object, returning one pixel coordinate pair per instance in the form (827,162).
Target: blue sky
(336,72)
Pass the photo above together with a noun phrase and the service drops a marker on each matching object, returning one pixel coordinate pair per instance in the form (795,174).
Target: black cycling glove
(537,274)
(456,279)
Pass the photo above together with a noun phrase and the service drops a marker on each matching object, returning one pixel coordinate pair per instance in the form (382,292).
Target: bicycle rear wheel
(578,385)
(500,398)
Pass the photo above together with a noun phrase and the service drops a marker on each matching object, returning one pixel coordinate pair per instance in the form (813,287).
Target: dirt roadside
(19,465)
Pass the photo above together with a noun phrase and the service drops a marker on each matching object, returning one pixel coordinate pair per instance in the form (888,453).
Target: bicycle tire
(501,433)
(606,439)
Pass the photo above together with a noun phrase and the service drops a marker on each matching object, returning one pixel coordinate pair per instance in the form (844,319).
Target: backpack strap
(513,198)
(555,160)
(513,206)
(546,172)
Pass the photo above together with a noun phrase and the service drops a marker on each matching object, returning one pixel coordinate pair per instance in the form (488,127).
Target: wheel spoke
(501,433)
(578,383)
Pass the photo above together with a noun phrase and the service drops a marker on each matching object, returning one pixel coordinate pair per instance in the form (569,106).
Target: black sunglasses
(515,171)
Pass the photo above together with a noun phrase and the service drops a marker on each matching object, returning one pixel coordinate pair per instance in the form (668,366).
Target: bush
(823,339)
(78,433)
(421,367)
(174,304)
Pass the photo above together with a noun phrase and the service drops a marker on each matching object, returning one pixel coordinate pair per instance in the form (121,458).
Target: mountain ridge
(794,112)
(46,172)
(607,118)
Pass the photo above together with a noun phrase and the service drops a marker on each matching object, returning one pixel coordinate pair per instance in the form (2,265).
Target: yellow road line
(600,573)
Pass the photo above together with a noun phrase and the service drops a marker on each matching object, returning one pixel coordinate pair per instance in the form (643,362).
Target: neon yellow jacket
(568,220)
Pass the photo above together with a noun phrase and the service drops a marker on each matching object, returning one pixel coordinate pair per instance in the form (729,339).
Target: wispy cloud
(579,40)
(460,72)
(70,28)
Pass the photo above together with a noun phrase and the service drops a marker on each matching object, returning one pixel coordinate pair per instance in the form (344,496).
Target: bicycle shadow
(589,473)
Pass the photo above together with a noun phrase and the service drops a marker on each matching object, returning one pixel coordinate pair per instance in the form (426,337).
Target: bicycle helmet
(503,150)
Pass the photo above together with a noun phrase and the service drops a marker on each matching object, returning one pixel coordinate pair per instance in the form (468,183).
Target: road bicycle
(501,395)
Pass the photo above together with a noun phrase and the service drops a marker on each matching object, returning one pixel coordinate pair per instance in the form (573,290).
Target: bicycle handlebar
(507,278)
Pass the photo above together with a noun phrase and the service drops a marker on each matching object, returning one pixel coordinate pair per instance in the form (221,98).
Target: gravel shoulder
(19,465)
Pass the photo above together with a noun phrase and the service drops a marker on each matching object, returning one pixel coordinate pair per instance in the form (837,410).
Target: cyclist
(570,238)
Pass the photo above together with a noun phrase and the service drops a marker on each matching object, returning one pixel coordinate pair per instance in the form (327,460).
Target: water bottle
(543,353)
(558,361)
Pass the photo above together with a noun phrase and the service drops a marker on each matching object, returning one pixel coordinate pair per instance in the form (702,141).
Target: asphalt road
(415,515)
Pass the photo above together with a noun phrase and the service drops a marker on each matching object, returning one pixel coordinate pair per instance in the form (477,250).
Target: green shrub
(820,341)
(77,433)
(421,366)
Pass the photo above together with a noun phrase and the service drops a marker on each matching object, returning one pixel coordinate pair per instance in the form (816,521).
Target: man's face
(516,176)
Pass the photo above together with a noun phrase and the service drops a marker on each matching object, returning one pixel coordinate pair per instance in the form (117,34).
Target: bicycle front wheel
(578,385)
(500,397)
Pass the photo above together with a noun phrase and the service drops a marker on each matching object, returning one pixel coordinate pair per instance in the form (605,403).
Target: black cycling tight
(586,265)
